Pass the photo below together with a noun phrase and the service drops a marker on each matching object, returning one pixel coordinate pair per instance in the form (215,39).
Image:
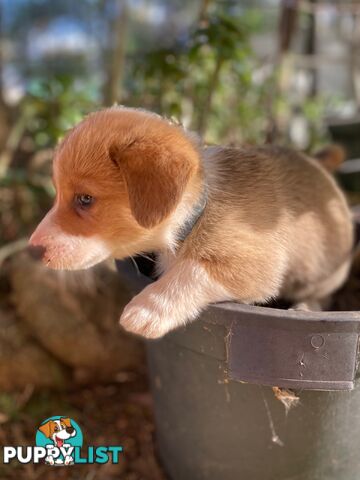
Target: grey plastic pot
(213,426)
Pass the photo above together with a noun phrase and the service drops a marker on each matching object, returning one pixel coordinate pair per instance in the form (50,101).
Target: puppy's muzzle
(70,430)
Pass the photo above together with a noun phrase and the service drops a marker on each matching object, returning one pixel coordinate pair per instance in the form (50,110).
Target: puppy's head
(58,430)
(119,175)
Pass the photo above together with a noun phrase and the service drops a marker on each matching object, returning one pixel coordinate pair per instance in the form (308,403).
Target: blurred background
(235,71)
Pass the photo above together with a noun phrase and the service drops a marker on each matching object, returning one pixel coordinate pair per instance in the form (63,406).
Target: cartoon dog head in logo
(58,430)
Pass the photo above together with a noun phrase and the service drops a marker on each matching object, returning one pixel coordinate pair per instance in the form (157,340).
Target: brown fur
(275,222)
(155,177)
(131,164)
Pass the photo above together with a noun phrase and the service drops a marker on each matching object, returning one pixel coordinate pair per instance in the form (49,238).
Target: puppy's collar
(191,221)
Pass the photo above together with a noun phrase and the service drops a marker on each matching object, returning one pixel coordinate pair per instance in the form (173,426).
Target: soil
(115,414)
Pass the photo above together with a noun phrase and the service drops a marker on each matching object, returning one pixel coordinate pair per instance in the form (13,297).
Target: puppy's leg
(177,297)
(318,296)
(310,305)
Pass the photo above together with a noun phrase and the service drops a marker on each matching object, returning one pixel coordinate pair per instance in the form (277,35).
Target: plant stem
(113,87)
(206,107)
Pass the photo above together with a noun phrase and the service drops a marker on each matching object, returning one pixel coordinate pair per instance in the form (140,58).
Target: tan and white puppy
(275,224)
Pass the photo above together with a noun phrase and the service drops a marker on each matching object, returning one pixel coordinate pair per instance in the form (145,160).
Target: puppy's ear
(155,176)
(67,421)
(47,428)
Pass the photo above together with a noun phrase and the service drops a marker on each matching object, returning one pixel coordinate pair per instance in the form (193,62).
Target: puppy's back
(285,207)
(267,181)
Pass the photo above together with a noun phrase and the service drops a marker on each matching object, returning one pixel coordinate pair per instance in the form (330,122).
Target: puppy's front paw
(142,320)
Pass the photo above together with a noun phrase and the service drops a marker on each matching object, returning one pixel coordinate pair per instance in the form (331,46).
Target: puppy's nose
(37,252)
(69,429)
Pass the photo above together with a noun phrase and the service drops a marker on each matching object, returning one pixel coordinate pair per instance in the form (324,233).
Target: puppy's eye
(56,428)
(83,200)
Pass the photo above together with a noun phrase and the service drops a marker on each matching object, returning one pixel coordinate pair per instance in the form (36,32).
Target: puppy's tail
(331,157)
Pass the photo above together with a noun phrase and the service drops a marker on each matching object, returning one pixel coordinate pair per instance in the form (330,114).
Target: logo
(59,435)
(59,442)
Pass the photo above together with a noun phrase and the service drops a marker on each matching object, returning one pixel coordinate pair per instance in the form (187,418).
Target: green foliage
(210,80)
(8,406)
(207,82)
(55,104)
(314,109)
(51,107)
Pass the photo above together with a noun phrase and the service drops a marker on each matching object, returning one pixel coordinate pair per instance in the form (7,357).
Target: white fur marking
(173,300)
(71,252)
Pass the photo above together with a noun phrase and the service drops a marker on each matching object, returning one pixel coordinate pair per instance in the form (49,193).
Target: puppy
(58,431)
(242,224)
